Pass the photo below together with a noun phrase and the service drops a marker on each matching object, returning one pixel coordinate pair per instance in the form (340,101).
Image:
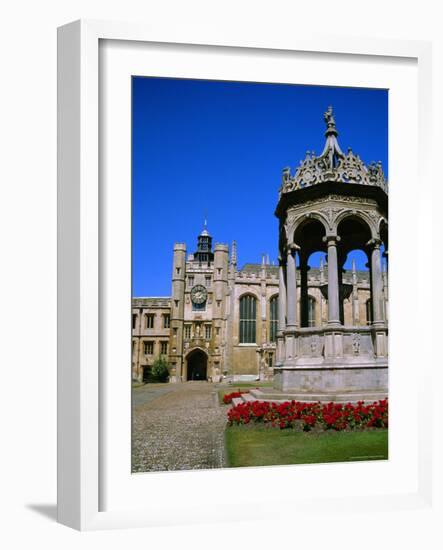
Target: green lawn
(259,446)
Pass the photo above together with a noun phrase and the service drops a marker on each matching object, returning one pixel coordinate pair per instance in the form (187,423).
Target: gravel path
(177,427)
(149,392)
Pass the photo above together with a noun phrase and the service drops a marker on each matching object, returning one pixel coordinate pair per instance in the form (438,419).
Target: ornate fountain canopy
(333,166)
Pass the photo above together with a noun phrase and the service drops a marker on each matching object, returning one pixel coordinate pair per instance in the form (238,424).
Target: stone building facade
(204,341)
(150,333)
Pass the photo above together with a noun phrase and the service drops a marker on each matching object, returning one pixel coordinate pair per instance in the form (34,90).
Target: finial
(353,265)
(329,117)
(331,152)
(234,253)
(205,232)
(286,175)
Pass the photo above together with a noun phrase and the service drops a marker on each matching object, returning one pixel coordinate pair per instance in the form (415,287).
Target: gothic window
(166,321)
(271,360)
(311,311)
(148,347)
(187,332)
(134,320)
(248,319)
(163,348)
(208,281)
(149,320)
(208,332)
(273,321)
(191,280)
(368,311)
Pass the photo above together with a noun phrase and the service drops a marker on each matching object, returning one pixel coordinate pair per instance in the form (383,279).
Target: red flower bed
(230,396)
(306,416)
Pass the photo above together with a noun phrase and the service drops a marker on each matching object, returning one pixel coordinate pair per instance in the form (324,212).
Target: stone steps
(248,397)
(237,401)
(342,397)
(276,396)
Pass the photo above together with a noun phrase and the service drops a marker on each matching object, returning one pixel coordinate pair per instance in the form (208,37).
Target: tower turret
(221,263)
(234,253)
(177,310)
(204,252)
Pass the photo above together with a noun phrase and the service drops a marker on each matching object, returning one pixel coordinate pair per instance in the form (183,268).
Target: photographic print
(259,274)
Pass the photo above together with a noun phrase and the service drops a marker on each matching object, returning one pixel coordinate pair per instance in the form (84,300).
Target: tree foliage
(160,371)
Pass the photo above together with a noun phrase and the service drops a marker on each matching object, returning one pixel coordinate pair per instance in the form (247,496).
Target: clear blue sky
(217,149)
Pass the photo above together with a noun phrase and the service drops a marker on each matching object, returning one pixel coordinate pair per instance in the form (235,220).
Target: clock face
(199,294)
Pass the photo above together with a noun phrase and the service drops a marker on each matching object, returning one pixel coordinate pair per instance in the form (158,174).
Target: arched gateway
(197,365)
(334,204)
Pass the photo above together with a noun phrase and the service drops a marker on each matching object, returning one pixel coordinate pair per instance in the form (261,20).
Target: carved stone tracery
(332,166)
(330,216)
(351,169)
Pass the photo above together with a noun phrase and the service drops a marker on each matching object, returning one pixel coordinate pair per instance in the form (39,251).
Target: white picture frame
(82,394)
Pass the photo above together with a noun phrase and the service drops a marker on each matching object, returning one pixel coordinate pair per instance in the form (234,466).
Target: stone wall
(160,309)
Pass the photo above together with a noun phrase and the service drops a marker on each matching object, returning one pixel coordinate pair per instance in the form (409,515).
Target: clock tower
(198,311)
(204,254)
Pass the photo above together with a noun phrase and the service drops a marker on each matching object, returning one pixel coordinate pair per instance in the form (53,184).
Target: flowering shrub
(306,416)
(230,396)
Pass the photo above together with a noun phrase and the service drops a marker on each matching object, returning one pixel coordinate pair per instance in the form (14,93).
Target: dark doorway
(147,377)
(197,365)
